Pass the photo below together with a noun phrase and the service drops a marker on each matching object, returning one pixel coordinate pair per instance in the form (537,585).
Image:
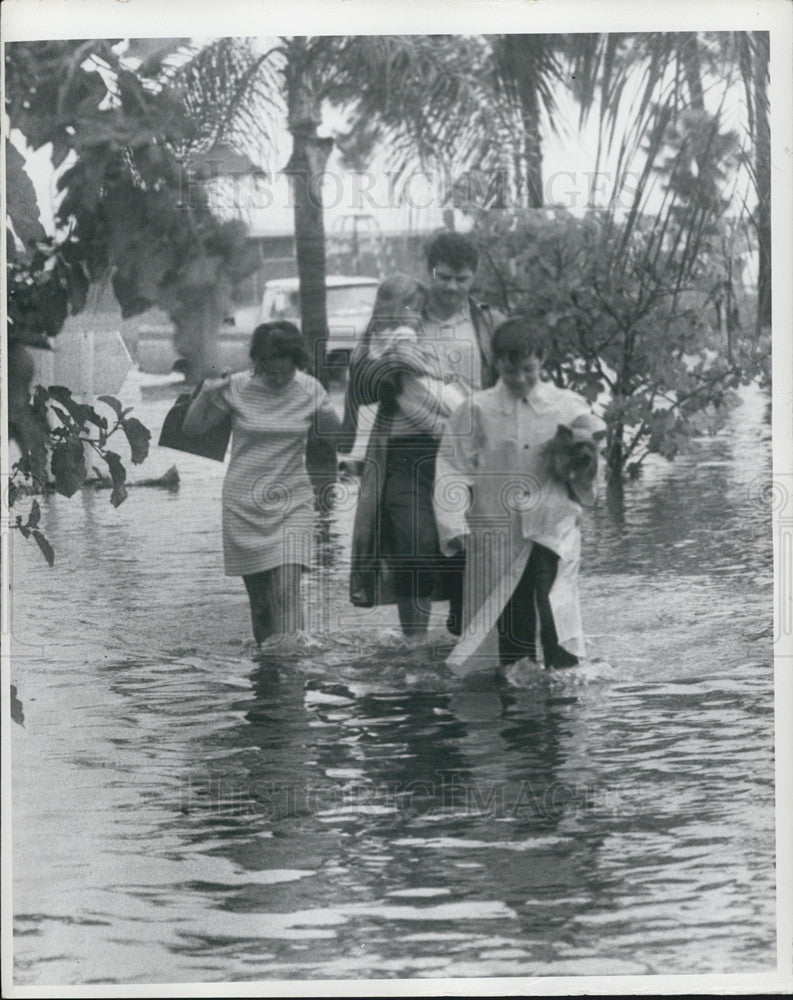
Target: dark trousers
(453,574)
(517,625)
(409,533)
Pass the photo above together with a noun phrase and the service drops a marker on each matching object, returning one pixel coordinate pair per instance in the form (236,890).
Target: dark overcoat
(369,383)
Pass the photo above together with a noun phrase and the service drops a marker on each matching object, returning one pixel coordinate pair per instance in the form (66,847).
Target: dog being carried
(571,457)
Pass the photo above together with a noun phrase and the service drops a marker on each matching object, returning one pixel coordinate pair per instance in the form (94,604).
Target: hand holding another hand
(209,386)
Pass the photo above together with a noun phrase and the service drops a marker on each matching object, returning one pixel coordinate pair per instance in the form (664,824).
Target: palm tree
(415,94)
(515,79)
(522,73)
(674,71)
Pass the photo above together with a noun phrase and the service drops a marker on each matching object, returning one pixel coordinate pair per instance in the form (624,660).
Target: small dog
(571,456)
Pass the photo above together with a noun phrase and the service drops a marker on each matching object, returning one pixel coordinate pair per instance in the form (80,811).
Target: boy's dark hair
(281,339)
(454,249)
(518,336)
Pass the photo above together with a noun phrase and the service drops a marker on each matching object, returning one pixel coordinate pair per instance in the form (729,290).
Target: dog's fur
(571,458)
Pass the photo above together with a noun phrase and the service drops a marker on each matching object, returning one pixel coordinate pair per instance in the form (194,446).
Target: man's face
(450,286)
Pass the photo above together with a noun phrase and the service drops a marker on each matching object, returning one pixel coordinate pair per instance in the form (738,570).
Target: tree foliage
(631,81)
(131,206)
(623,329)
(628,300)
(136,128)
(61,432)
(638,298)
(130,211)
(411,96)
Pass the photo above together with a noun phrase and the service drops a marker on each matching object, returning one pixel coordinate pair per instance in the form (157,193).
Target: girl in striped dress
(268,500)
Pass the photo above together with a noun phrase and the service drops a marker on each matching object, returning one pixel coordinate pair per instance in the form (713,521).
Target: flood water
(345,810)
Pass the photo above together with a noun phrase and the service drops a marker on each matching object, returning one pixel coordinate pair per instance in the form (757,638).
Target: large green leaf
(138,436)
(119,475)
(22,205)
(67,464)
(46,548)
(81,413)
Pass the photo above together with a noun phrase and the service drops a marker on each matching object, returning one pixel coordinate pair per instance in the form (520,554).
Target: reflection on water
(343,809)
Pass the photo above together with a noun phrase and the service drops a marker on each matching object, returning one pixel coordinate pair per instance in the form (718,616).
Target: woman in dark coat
(394,524)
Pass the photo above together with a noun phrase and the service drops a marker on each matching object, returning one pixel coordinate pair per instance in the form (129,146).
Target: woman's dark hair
(518,336)
(454,249)
(281,339)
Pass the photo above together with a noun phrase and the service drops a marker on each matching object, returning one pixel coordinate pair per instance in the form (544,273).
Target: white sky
(569,164)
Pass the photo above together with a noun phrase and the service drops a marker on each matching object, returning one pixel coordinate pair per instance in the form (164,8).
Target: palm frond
(421,88)
(235,92)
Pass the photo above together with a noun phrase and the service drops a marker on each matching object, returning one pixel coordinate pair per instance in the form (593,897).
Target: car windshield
(351,299)
(343,300)
(283,304)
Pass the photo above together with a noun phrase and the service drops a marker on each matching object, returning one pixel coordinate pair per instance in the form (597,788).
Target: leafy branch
(53,455)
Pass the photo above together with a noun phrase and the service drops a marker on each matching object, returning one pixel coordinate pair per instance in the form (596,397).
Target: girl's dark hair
(517,335)
(281,339)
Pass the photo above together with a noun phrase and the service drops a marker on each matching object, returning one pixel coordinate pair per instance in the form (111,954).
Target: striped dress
(268,501)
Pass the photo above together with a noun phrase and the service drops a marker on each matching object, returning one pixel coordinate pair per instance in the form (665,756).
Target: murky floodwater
(345,810)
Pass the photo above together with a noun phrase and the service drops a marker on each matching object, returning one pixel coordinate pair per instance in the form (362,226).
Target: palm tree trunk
(614,452)
(532,152)
(309,158)
(305,169)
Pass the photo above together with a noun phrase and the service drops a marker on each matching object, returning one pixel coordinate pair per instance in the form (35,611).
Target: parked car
(349,304)
(350,300)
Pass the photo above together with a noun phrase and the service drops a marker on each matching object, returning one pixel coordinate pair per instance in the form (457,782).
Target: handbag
(211,444)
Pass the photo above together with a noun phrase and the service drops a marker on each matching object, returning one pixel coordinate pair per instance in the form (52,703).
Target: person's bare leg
(414,614)
(259,587)
(288,616)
